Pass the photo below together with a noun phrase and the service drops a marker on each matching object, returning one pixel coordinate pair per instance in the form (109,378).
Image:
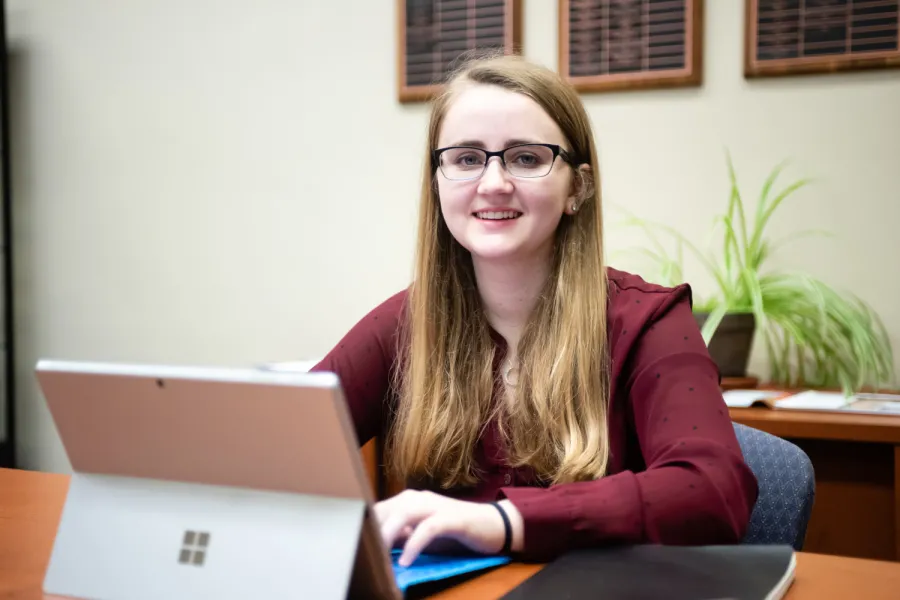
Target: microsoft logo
(193,548)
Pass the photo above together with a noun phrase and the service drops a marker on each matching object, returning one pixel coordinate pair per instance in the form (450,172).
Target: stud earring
(574,206)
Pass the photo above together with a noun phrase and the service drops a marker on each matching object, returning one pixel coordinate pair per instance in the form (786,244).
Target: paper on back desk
(746,398)
(815,400)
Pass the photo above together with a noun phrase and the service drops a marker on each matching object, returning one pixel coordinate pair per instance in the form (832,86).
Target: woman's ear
(581,190)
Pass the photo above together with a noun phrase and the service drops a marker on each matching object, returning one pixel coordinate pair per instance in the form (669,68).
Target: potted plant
(814,335)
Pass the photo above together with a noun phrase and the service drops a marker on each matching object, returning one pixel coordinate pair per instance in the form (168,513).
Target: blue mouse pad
(432,567)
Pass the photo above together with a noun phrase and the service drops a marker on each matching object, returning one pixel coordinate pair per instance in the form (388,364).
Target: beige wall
(202,182)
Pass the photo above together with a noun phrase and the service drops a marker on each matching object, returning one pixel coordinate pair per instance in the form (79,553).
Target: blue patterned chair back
(787,488)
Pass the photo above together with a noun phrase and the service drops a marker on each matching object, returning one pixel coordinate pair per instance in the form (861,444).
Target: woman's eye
(528,160)
(468,160)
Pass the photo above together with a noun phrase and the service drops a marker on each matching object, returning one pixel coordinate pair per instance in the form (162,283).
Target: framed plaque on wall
(793,37)
(609,45)
(433,34)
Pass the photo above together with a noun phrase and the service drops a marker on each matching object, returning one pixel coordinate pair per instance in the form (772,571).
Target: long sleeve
(695,487)
(363,361)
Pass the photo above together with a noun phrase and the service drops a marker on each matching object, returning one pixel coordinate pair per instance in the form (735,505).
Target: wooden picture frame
(429,44)
(819,36)
(609,45)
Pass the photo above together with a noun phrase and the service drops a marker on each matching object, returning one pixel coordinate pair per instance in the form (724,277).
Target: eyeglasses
(522,160)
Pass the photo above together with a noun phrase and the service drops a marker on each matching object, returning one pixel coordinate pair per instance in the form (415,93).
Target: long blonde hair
(445,382)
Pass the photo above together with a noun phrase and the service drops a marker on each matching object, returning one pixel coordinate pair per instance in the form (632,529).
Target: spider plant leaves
(712,322)
(827,339)
(813,335)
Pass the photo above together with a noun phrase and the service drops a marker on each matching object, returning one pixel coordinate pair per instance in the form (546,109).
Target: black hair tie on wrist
(507,527)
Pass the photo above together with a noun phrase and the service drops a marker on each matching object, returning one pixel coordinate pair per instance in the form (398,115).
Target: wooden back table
(31,504)
(857,462)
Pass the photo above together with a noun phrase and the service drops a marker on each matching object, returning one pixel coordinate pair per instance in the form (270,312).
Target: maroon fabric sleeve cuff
(547,521)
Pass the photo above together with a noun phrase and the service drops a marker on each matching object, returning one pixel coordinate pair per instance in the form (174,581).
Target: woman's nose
(495,178)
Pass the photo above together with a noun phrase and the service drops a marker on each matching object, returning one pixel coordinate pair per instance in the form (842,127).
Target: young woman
(534,399)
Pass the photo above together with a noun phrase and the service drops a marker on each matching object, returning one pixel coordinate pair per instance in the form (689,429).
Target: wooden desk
(31,503)
(857,462)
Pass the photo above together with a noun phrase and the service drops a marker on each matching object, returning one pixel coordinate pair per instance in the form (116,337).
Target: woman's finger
(394,525)
(424,534)
(404,517)
(384,509)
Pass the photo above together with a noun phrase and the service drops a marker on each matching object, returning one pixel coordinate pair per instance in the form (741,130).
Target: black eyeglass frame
(555,148)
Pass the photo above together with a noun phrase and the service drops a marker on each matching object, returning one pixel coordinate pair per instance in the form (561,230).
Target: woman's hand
(423,517)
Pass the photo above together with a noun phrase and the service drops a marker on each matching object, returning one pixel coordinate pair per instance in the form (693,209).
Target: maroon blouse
(676,474)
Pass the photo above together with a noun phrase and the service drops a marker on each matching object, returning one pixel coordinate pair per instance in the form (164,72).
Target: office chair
(787,488)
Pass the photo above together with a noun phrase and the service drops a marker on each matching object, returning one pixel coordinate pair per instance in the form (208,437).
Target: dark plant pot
(732,342)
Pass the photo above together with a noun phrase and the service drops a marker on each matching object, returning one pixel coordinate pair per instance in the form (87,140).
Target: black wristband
(507,529)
